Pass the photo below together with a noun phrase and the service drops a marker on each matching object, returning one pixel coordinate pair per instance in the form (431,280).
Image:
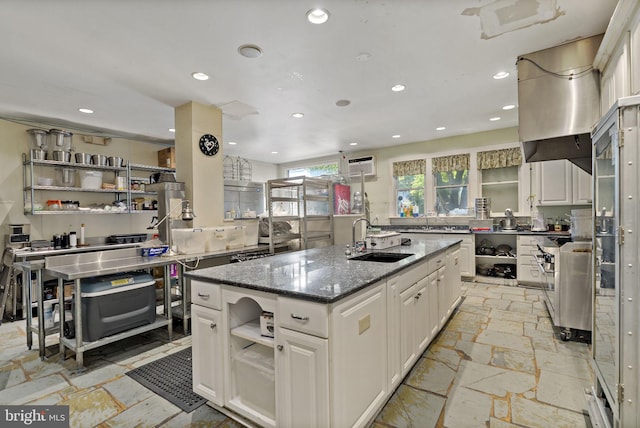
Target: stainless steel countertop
(98,263)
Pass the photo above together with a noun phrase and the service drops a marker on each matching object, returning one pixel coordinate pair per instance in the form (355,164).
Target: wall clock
(209,145)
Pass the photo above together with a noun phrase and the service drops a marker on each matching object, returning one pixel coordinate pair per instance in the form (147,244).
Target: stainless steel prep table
(86,265)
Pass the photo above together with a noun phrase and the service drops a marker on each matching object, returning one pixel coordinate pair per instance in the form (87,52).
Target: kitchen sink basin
(382,257)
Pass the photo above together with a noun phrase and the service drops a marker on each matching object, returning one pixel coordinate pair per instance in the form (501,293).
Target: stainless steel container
(83,158)
(115,161)
(38,154)
(61,156)
(482,208)
(100,160)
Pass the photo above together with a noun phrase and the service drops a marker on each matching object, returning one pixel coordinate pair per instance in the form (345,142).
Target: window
(409,183)
(313,170)
(452,192)
(451,179)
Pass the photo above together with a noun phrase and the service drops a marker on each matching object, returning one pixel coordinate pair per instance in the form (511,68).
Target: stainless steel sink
(382,257)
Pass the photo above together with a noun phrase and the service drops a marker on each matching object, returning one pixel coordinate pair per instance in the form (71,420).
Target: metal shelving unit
(30,188)
(305,204)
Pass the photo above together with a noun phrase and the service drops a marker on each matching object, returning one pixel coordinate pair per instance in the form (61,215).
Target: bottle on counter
(73,240)
(82,234)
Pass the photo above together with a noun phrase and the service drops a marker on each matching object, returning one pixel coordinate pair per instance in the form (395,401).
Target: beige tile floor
(496,364)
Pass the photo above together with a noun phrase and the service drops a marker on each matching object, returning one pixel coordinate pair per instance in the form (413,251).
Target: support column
(202,174)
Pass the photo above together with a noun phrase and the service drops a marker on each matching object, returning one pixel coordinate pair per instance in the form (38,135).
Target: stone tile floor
(496,364)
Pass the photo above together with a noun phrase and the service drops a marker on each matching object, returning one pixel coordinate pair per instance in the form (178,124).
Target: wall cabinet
(562,183)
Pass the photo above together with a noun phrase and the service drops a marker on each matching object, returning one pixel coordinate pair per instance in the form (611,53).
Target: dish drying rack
(236,168)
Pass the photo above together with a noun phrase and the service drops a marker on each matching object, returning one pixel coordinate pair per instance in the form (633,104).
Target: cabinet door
(432,293)
(421,319)
(581,186)
(554,183)
(454,284)
(394,330)
(302,370)
(359,351)
(408,348)
(467,258)
(207,357)
(443,296)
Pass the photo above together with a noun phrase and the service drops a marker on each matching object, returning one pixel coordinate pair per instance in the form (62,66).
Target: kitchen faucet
(353,229)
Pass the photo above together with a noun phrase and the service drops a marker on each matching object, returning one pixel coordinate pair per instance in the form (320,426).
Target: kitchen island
(344,332)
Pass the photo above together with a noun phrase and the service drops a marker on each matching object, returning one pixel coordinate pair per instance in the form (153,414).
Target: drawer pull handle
(204,296)
(299,318)
(280,347)
(213,326)
(418,295)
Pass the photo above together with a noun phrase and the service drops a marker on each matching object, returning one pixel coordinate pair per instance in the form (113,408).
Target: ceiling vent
(364,164)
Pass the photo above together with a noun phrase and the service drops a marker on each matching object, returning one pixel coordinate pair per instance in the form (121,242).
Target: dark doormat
(171,378)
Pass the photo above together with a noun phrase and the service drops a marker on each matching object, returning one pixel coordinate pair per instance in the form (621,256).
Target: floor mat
(170,377)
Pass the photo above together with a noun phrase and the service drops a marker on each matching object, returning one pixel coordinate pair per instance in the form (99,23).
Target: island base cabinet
(250,380)
(207,349)
(359,358)
(302,364)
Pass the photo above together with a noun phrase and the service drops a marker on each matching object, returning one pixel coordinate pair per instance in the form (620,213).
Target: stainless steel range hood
(559,102)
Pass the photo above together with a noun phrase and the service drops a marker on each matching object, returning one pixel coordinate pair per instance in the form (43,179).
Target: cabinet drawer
(206,294)
(303,316)
(531,241)
(435,262)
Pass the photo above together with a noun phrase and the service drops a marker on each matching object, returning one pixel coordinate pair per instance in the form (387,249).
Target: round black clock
(209,145)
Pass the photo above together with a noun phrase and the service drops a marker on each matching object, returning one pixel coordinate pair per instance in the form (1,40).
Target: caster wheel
(565,335)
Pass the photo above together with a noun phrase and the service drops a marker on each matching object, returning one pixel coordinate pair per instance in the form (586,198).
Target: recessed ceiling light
(398,88)
(440,128)
(199,76)
(343,103)
(395,136)
(353,144)
(501,75)
(493,119)
(85,110)
(508,107)
(232,143)
(172,129)
(250,51)
(297,115)
(318,16)
(274,153)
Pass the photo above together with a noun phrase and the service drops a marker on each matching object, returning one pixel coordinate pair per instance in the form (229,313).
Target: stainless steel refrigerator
(616,297)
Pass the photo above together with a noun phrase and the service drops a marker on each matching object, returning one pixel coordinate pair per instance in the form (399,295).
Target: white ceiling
(131,62)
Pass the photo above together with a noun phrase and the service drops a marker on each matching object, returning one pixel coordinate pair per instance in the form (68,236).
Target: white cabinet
(328,364)
(554,182)
(302,366)
(359,357)
(527,266)
(207,327)
(467,258)
(581,186)
(249,360)
(562,183)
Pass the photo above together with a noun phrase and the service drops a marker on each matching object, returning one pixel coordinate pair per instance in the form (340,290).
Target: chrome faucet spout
(353,229)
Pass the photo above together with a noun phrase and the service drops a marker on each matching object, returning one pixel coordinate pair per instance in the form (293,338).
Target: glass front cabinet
(613,402)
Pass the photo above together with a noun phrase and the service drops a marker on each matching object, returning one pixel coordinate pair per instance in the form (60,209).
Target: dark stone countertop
(323,275)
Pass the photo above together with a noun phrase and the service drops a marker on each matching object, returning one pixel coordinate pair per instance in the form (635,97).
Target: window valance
(450,163)
(411,167)
(500,158)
